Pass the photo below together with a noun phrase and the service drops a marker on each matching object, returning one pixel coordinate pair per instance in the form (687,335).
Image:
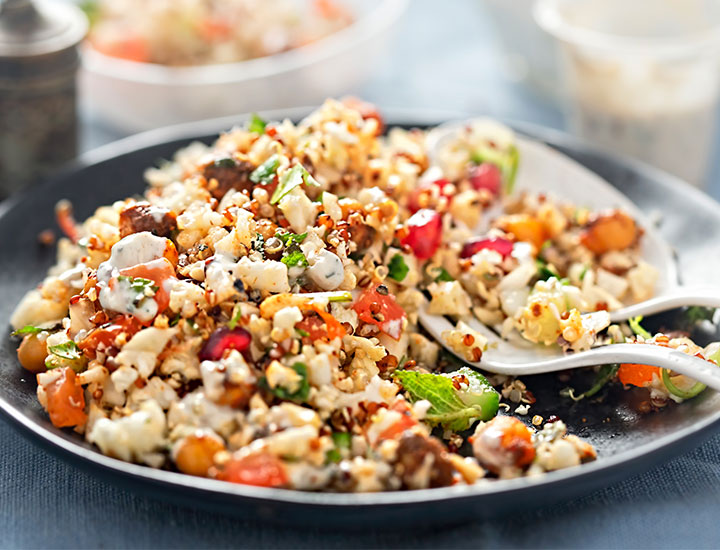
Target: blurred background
(638,78)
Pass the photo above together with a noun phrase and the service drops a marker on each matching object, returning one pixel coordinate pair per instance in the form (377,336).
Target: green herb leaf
(295,257)
(289,238)
(397,268)
(235,319)
(333,455)
(302,333)
(66,350)
(635,326)
(298,396)
(455,409)
(444,276)
(27,329)
(545,270)
(507,161)
(691,392)
(695,314)
(257,124)
(143,288)
(342,439)
(291,179)
(265,173)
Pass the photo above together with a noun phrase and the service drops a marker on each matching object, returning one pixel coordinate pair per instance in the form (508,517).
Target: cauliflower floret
(299,210)
(448,298)
(132,438)
(187,298)
(143,349)
(268,275)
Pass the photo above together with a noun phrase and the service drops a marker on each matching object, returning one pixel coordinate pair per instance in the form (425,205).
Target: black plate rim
(49,438)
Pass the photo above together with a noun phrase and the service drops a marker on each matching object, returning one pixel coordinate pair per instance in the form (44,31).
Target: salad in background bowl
(185,61)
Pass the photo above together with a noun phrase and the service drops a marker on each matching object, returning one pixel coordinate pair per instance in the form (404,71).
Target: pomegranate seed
(223,339)
(424,233)
(486,176)
(502,246)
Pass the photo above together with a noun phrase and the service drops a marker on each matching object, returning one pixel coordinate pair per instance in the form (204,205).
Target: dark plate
(627,442)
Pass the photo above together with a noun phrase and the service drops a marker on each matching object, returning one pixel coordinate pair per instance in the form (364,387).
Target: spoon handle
(642,354)
(683,296)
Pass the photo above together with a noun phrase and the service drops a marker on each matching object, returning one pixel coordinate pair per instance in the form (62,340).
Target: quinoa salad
(253,317)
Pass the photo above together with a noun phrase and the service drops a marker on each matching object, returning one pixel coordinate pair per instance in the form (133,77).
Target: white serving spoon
(544,169)
(519,357)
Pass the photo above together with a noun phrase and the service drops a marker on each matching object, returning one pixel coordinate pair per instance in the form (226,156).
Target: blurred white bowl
(136,96)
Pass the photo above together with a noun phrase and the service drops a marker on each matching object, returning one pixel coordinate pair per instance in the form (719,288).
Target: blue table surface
(45,502)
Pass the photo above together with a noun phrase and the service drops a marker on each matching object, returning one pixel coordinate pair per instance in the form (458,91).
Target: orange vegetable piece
(195,455)
(637,375)
(66,400)
(613,230)
(406,421)
(158,271)
(334,327)
(526,228)
(260,469)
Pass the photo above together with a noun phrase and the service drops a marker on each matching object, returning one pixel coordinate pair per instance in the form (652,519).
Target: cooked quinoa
(253,317)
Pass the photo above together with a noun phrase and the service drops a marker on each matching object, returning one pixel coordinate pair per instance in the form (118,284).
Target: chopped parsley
(226,162)
(302,333)
(443,276)
(397,268)
(143,288)
(295,257)
(545,270)
(257,124)
(265,173)
(289,238)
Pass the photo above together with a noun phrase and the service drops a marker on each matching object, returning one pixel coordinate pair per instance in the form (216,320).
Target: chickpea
(195,453)
(32,353)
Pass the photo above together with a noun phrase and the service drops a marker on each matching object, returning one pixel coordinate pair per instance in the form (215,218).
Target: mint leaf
(27,329)
(457,399)
(291,179)
(397,268)
(295,257)
(66,350)
(265,173)
(257,124)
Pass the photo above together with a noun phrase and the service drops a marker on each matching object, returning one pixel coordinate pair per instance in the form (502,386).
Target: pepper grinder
(39,61)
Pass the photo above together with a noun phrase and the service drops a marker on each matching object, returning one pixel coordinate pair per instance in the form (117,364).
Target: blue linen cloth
(47,503)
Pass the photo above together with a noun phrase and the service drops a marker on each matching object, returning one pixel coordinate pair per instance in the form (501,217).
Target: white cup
(642,77)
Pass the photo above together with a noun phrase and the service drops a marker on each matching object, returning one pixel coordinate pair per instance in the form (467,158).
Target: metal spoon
(523,358)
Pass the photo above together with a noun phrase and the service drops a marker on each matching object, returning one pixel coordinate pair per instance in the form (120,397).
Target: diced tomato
(314,326)
(132,48)
(158,271)
(424,233)
(405,422)
(380,309)
(502,246)
(215,29)
(260,469)
(637,375)
(224,339)
(486,176)
(106,334)
(66,400)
